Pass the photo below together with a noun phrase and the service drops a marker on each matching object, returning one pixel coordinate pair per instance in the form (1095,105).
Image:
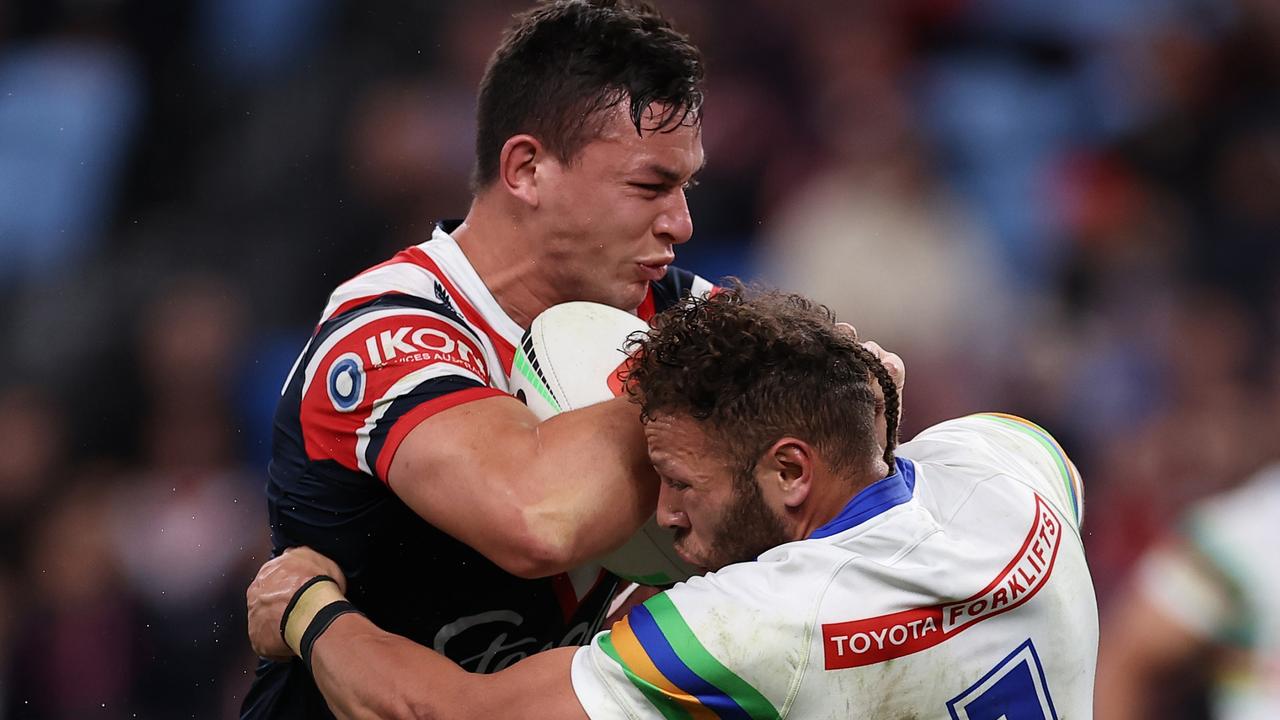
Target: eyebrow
(671,176)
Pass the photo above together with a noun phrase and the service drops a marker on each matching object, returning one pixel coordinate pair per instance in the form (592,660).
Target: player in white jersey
(948,581)
(1205,607)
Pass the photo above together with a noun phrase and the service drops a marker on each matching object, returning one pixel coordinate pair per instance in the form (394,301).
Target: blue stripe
(664,657)
(874,499)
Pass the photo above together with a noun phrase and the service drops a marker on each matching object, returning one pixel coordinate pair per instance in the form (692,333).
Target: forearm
(365,672)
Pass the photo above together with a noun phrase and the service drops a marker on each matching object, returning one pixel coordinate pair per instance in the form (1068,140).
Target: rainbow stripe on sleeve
(664,660)
(1070,476)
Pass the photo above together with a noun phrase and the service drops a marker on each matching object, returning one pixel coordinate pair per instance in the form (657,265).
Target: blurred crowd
(1065,210)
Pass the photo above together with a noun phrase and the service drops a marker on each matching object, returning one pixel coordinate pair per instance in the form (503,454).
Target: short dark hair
(564,63)
(758,365)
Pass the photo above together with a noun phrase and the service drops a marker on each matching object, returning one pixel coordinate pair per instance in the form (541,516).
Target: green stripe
(656,697)
(1045,442)
(522,364)
(694,655)
(1243,629)
(653,580)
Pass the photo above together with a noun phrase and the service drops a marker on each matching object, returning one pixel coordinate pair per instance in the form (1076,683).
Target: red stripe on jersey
(398,258)
(358,373)
(506,351)
(416,416)
(565,595)
(646,310)
(568,597)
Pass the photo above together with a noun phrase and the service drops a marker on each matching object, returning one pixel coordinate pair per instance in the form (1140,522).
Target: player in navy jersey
(396,444)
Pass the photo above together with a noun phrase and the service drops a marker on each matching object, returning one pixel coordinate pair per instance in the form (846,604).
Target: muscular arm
(365,672)
(535,498)
(1143,650)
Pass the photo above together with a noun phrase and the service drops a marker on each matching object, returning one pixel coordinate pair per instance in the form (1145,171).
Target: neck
(505,258)
(831,496)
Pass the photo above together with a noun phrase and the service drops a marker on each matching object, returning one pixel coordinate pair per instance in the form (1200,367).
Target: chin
(630,298)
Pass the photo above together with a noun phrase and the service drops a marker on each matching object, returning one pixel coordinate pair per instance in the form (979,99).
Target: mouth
(654,270)
(678,546)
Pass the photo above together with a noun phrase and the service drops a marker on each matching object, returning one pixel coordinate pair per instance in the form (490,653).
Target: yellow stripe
(1077,483)
(637,660)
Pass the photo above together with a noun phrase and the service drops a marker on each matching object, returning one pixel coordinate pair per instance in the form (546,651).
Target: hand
(271,590)
(897,371)
(892,362)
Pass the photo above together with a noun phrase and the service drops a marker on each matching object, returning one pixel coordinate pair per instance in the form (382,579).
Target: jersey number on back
(1015,689)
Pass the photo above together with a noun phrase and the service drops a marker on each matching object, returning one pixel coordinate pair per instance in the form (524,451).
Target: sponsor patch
(436,342)
(345,382)
(874,640)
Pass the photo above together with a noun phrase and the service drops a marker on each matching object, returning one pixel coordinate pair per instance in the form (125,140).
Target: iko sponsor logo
(345,382)
(422,344)
(502,650)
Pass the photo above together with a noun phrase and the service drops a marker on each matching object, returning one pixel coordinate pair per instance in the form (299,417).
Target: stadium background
(1064,210)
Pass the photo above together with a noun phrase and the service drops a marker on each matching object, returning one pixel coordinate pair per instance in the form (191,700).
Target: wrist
(313,608)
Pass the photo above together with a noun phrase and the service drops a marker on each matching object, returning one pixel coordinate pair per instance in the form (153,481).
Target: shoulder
(1230,531)
(732,641)
(374,372)
(995,447)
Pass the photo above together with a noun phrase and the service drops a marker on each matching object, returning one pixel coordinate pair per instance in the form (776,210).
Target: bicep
(530,496)
(1142,648)
(455,469)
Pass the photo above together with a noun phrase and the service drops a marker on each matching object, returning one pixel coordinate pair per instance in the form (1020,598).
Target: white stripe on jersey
(403,277)
(346,330)
(401,386)
(700,287)
(444,250)
(289,378)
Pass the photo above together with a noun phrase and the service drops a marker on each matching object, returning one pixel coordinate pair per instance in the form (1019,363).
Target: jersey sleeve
(375,375)
(1014,446)
(709,648)
(673,288)
(1205,576)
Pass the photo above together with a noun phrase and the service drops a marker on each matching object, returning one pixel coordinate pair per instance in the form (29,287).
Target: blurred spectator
(1062,210)
(69,109)
(1202,609)
(76,650)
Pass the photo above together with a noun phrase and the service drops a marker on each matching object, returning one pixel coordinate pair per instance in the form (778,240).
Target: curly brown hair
(758,365)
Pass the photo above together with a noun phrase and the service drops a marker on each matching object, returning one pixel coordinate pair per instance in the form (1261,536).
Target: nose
(674,223)
(670,515)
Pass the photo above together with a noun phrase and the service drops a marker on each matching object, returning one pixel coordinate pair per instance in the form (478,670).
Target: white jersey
(954,588)
(1223,584)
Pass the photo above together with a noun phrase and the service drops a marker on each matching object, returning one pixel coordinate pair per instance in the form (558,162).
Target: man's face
(719,517)
(616,212)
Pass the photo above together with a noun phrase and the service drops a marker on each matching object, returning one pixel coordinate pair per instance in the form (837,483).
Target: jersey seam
(811,625)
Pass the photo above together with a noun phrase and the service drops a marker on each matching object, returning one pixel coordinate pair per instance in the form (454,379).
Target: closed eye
(674,484)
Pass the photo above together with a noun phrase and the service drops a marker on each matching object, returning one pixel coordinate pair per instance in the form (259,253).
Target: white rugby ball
(569,358)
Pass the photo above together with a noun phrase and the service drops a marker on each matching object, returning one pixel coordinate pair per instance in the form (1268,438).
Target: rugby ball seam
(562,405)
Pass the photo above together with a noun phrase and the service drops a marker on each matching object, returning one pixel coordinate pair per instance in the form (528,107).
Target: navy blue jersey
(398,343)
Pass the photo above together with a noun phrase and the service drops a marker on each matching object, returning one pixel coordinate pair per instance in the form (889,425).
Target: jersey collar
(874,499)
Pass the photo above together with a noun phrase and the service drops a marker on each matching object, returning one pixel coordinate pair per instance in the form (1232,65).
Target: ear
(787,469)
(517,167)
